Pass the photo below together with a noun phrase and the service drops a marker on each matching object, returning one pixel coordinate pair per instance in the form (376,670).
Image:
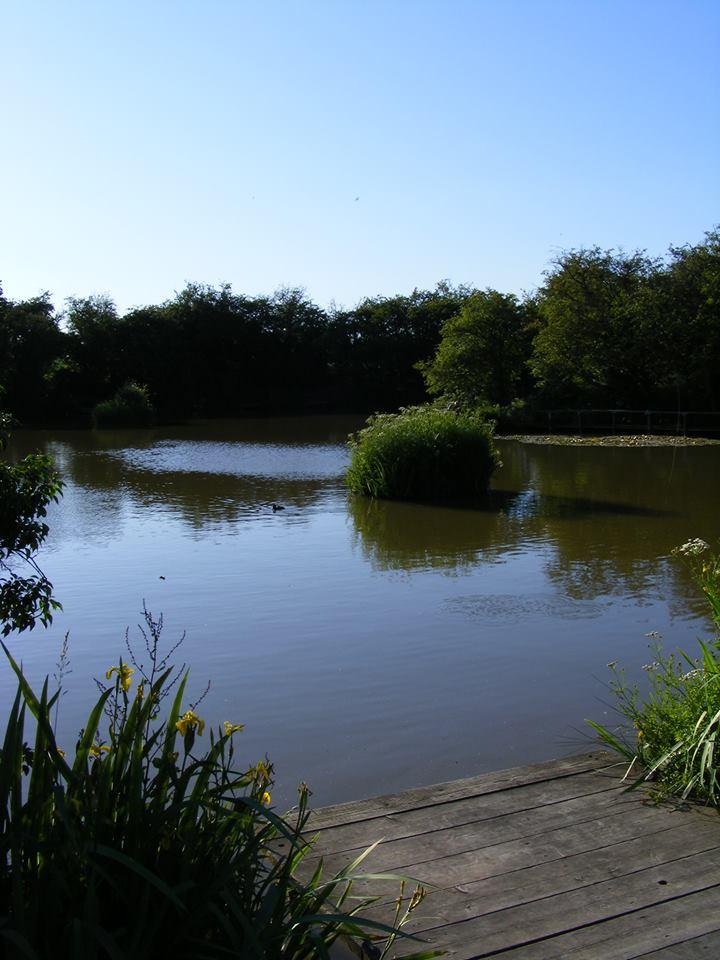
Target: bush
(675,728)
(422,453)
(143,846)
(129,407)
(26,490)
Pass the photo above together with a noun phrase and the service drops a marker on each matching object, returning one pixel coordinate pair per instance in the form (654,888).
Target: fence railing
(681,422)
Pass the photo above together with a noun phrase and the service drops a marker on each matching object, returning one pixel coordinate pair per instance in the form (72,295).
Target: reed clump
(423,453)
(675,728)
(150,840)
(130,406)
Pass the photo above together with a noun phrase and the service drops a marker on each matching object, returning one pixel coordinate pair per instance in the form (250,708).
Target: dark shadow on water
(529,503)
(491,502)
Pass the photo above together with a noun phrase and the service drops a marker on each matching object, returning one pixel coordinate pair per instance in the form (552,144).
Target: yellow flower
(266,798)
(61,752)
(260,772)
(190,721)
(124,673)
(98,750)
(231,728)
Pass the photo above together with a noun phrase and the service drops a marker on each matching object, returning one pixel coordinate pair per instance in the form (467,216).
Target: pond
(369,646)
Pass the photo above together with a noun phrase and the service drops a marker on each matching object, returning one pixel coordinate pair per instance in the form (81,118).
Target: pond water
(369,646)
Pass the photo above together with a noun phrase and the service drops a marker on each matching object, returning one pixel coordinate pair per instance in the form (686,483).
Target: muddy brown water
(370,646)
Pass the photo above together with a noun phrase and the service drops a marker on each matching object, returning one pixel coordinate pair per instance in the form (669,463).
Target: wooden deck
(551,860)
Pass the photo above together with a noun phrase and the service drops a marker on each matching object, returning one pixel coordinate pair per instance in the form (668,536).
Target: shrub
(26,490)
(422,453)
(143,846)
(676,726)
(129,407)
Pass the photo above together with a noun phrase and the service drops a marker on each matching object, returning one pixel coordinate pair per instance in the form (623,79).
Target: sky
(351,147)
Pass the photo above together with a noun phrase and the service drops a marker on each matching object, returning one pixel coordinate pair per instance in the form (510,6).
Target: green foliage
(129,407)
(688,328)
(621,329)
(374,349)
(422,453)
(30,339)
(26,490)
(483,354)
(145,844)
(605,329)
(590,346)
(677,724)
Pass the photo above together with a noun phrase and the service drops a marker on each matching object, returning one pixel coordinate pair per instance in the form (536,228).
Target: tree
(375,347)
(30,341)
(26,489)
(483,353)
(691,318)
(592,345)
(93,325)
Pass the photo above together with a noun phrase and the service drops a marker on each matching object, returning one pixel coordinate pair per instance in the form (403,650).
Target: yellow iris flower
(124,673)
(266,798)
(231,728)
(260,772)
(98,750)
(190,721)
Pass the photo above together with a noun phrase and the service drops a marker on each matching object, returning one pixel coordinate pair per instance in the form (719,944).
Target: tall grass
(422,453)
(143,845)
(675,726)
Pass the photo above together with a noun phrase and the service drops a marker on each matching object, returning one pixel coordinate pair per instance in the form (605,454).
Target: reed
(145,845)
(422,453)
(675,727)
(130,406)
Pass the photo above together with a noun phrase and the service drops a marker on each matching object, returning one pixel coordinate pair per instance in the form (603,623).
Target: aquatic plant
(145,845)
(676,725)
(426,452)
(130,406)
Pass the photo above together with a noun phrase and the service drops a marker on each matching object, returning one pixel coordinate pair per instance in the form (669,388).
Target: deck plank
(696,948)
(456,813)
(565,913)
(625,937)
(457,789)
(552,860)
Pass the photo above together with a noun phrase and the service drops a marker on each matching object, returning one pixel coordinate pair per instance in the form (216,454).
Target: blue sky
(148,144)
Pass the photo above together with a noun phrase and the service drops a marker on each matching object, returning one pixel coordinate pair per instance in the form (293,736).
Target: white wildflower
(691,674)
(693,548)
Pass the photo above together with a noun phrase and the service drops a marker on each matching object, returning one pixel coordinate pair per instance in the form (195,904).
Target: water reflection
(349,632)
(611,516)
(202,482)
(394,535)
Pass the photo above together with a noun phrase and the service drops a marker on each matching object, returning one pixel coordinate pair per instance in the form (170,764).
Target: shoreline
(615,440)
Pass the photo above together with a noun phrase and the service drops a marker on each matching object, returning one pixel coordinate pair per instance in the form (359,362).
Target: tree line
(604,329)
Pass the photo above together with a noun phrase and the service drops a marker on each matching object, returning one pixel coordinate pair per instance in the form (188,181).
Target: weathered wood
(457,789)
(549,917)
(625,937)
(354,835)
(450,904)
(695,949)
(554,860)
(474,858)
(442,839)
